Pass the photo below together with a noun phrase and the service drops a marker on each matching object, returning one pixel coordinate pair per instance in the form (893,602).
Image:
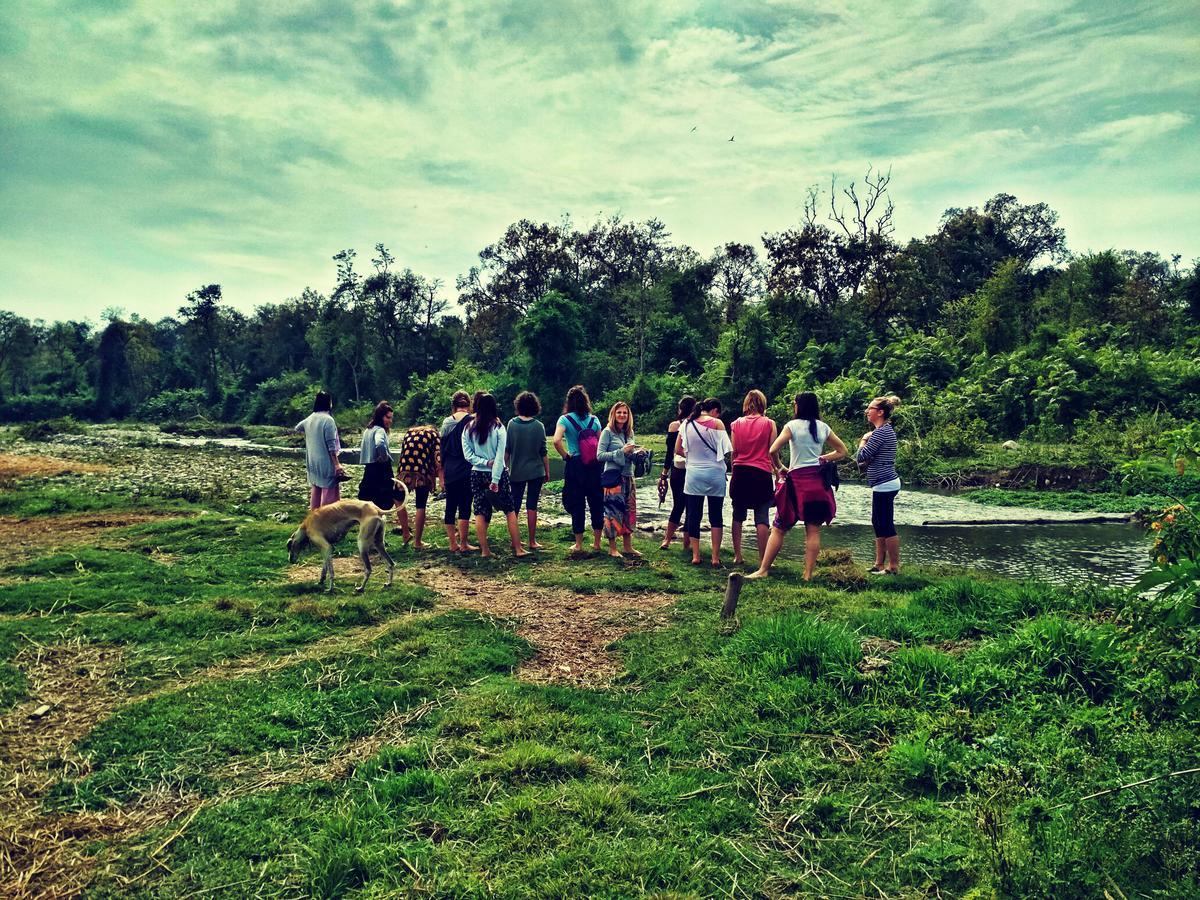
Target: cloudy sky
(148,147)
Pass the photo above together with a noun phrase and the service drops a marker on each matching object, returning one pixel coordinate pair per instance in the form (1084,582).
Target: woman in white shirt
(704,442)
(804,495)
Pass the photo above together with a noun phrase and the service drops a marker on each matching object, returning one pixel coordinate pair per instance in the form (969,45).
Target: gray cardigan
(611,451)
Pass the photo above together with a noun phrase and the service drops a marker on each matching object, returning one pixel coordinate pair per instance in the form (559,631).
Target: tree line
(989,326)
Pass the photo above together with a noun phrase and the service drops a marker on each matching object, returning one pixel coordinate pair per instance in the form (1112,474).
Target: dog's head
(296,543)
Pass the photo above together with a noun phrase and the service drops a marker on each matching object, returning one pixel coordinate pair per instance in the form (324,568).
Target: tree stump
(732,590)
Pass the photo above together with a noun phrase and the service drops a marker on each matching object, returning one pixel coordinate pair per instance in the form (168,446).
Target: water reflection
(1065,552)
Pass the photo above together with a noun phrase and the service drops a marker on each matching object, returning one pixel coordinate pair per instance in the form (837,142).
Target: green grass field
(217,727)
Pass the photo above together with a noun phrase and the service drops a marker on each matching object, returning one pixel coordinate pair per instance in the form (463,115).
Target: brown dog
(322,528)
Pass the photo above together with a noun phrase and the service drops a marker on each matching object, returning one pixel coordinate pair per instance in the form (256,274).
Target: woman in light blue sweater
(616,451)
(483,446)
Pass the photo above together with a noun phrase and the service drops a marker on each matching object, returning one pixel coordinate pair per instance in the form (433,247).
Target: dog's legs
(327,570)
(366,537)
(382,548)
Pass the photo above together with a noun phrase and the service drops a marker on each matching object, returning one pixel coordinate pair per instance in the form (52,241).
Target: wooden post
(732,590)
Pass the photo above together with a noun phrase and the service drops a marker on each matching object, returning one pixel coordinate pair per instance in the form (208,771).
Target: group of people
(484,465)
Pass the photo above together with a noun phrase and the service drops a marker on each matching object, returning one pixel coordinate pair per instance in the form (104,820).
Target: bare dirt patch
(41,855)
(570,632)
(19,537)
(14,466)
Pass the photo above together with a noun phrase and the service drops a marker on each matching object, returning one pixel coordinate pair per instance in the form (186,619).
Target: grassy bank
(560,728)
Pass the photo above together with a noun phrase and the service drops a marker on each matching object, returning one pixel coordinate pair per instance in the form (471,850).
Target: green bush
(181,403)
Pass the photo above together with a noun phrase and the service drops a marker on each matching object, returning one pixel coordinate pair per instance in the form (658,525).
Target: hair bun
(894,400)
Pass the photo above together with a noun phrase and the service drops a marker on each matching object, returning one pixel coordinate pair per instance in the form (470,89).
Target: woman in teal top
(528,463)
(580,430)
(483,444)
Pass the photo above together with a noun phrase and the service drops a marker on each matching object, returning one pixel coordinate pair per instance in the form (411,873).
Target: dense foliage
(988,328)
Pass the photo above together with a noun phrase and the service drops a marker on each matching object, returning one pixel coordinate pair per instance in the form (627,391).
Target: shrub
(283,400)
(49,429)
(182,403)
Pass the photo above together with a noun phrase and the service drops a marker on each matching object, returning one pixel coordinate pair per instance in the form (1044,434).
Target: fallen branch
(1131,784)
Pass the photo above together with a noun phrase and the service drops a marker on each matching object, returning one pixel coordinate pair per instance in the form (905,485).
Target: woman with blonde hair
(877,454)
(804,496)
(616,451)
(752,486)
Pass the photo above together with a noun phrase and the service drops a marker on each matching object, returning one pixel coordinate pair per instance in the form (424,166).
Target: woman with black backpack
(579,431)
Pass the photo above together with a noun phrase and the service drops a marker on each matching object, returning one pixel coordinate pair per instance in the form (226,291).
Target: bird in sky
(731,139)
(693,128)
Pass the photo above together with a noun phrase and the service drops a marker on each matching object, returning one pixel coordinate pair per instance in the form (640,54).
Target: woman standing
(321,447)
(456,473)
(616,451)
(528,463)
(483,446)
(752,486)
(704,441)
(877,453)
(375,454)
(804,495)
(674,465)
(420,469)
(579,431)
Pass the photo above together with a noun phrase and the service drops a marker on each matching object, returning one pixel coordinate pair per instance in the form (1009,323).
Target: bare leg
(880,551)
(531,523)
(627,544)
(774,545)
(481,527)
(419,529)
(452,538)
(463,530)
(812,546)
(596,532)
(893,552)
(514,535)
(612,546)
(405,531)
(762,533)
(737,542)
(695,544)
(668,536)
(716,545)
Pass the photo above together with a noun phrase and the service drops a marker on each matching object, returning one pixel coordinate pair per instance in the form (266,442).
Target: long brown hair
(382,408)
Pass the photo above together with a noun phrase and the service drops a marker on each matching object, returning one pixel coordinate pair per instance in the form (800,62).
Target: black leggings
(586,495)
(677,496)
(535,491)
(695,511)
(458,500)
(883,513)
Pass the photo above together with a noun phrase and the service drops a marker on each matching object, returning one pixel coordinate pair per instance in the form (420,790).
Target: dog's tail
(400,490)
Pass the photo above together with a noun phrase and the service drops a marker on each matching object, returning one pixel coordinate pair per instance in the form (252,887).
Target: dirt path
(22,538)
(571,632)
(46,855)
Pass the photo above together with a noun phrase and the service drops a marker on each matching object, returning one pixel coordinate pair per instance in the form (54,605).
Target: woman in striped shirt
(877,453)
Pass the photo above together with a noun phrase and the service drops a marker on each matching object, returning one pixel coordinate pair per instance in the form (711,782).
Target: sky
(149,147)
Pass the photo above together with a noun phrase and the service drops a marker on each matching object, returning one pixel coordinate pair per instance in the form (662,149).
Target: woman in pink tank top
(752,486)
